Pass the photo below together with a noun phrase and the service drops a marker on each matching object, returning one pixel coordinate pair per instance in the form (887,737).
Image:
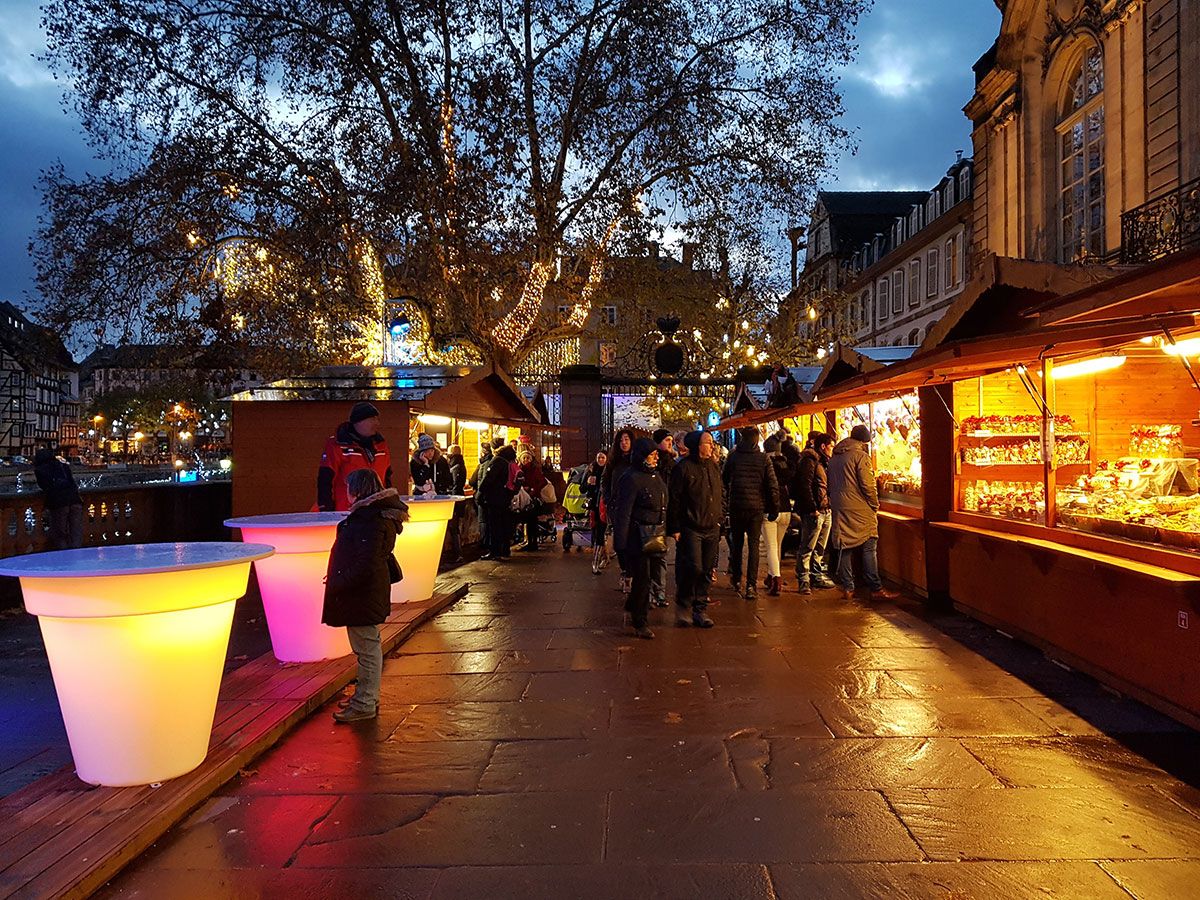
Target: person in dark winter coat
(357,444)
(429,469)
(591,487)
(695,507)
(617,465)
(358,583)
(458,470)
(775,528)
(751,493)
(476,483)
(640,505)
(854,501)
(496,490)
(665,441)
(61,499)
(810,503)
(533,479)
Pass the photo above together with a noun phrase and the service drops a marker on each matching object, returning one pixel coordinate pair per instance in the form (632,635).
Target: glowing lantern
(419,547)
(136,637)
(292,582)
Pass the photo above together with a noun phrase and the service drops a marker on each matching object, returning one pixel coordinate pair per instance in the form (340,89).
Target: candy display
(1021,425)
(897,446)
(1023,500)
(1163,441)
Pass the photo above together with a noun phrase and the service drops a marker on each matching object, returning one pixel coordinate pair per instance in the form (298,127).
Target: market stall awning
(983,356)
(1166,287)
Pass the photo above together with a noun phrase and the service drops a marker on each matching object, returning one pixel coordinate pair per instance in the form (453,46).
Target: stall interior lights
(1188,347)
(431,419)
(1088,367)
(473,426)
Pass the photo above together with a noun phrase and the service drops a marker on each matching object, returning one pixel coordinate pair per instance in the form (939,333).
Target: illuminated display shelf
(136,636)
(419,547)
(292,582)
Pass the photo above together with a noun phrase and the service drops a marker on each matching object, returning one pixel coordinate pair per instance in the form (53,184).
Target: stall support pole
(937,478)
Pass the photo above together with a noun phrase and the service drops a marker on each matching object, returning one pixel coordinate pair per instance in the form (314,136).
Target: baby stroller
(577,528)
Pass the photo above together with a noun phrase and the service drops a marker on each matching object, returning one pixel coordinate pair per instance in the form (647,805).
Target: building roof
(31,344)
(857,216)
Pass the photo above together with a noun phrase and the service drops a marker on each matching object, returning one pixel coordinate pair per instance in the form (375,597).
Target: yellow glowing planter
(419,547)
(292,582)
(136,637)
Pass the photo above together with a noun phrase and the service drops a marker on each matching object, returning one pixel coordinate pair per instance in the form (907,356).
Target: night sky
(904,98)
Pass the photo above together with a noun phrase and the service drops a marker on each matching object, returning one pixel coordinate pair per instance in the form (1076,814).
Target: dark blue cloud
(905,92)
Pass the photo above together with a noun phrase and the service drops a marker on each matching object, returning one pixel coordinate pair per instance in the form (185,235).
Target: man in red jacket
(357,444)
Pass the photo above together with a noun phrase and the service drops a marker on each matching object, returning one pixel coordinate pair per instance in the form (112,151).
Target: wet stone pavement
(529,747)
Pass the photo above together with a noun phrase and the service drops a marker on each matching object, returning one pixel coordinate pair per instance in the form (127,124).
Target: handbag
(654,539)
(547,494)
(521,500)
(394,573)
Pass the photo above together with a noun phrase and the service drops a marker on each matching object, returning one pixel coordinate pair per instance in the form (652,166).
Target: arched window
(1081,159)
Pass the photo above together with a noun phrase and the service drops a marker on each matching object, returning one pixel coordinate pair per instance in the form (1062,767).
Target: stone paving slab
(530,747)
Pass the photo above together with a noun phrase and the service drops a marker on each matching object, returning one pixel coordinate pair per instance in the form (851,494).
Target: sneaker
(823,583)
(751,595)
(351,714)
(659,600)
(708,601)
(735,582)
(701,620)
(804,589)
(682,618)
(643,632)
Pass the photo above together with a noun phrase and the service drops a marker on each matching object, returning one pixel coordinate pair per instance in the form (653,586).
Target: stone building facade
(39,387)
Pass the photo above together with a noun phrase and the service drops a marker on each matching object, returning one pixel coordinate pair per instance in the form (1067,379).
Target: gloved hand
(772,517)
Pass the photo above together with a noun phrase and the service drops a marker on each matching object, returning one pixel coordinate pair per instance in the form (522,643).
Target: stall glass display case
(1141,481)
(1000,445)
(896,425)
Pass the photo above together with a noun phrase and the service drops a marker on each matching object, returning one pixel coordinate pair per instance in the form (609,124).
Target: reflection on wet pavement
(802,748)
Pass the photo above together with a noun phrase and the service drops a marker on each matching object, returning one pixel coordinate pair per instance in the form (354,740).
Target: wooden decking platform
(60,837)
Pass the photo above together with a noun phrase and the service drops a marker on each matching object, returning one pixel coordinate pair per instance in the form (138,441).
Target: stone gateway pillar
(581,409)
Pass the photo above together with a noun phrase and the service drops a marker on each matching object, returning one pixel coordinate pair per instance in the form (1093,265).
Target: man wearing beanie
(357,444)
(695,507)
(751,492)
(854,500)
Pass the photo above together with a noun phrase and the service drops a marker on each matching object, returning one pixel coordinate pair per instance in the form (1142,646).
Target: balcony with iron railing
(1164,225)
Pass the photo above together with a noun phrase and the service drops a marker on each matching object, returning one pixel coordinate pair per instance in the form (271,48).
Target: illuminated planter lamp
(419,547)
(292,582)
(136,637)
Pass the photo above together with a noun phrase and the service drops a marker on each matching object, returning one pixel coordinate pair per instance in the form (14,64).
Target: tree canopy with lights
(280,168)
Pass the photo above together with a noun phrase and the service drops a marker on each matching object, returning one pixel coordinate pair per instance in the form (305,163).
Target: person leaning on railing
(62,499)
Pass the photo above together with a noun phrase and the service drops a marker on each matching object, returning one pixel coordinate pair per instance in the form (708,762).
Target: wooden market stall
(1062,499)
(280,429)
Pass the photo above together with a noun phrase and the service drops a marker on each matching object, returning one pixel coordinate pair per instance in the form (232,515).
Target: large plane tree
(280,168)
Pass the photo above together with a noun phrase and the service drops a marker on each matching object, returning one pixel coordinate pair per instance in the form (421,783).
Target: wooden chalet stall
(1062,493)
(280,429)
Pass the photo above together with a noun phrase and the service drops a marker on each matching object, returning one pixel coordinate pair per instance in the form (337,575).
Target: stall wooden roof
(1171,285)
(479,393)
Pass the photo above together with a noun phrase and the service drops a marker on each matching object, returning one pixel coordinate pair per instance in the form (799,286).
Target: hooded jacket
(495,487)
(345,451)
(750,485)
(639,498)
(458,473)
(852,496)
(55,480)
(694,495)
(358,584)
(810,487)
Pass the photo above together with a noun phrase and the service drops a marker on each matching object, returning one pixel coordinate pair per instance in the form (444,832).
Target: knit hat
(642,448)
(424,442)
(691,440)
(362,410)
(861,433)
(659,436)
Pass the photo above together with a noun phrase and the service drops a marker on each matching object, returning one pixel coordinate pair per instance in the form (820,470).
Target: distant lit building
(39,387)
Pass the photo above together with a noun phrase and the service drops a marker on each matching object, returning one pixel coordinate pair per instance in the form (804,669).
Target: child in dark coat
(358,585)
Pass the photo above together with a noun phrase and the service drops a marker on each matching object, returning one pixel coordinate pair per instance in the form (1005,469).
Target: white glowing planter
(136,637)
(419,547)
(292,582)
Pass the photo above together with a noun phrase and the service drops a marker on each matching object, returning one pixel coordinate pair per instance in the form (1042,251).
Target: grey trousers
(364,641)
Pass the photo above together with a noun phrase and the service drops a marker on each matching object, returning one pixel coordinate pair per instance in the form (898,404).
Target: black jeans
(66,527)
(695,557)
(485,536)
(743,530)
(500,529)
(637,604)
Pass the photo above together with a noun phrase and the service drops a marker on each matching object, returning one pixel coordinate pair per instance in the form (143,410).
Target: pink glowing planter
(136,637)
(419,547)
(292,582)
